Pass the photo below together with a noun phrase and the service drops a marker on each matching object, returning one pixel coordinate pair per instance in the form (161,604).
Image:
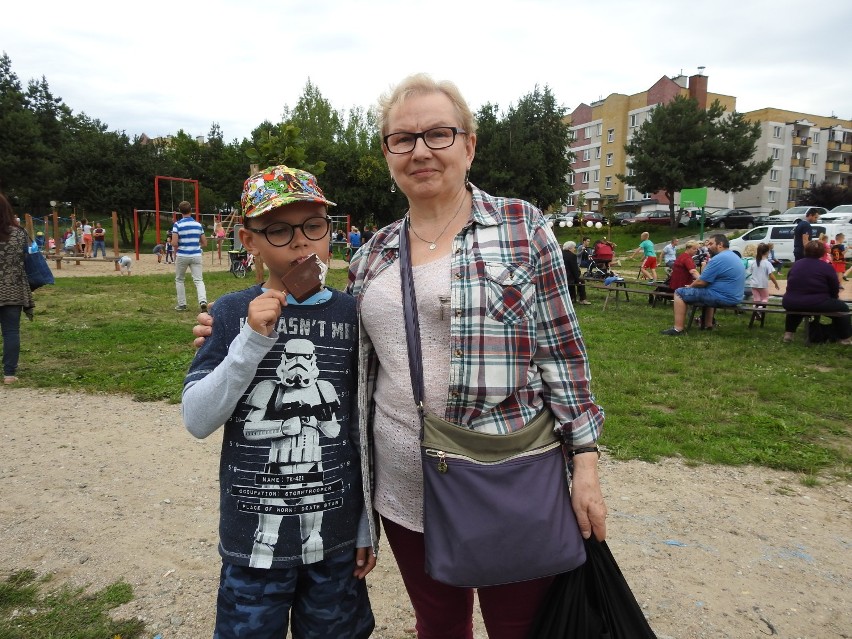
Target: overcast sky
(157,67)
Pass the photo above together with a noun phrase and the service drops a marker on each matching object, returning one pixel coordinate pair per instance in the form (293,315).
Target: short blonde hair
(691,244)
(423,84)
(750,250)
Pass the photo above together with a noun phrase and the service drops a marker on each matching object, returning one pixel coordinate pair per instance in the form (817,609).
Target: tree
(526,153)
(683,145)
(827,195)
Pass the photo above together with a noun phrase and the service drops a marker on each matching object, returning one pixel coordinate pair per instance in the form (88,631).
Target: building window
(773,175)
(776,132)
(633,120)
(569,201)
(609,159)
(816,137)
(631,172)
(571,177)
(597,153)
(596,175)
(586,154)
(812,177)
(608,183)
(772,197)
(814,158)
(589,130)
(600,130)
(610,135)
(776,154)
(586,177)
(630,194)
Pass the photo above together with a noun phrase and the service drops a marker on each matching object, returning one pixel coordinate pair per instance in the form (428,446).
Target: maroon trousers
(446,612)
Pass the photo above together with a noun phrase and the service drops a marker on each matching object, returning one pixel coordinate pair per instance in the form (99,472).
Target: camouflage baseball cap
(278,186)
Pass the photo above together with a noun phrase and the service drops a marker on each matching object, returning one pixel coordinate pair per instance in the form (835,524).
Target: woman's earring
(393,186)
(467,178)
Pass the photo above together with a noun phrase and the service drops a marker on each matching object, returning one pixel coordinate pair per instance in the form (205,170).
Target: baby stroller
(241,262)
(602,256)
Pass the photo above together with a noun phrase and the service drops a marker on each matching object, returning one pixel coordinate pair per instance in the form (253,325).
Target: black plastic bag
(592,602)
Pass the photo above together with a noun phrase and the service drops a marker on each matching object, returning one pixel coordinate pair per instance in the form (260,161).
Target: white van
(781,237)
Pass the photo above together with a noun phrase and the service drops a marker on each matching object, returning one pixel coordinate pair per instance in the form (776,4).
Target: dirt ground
(97,488)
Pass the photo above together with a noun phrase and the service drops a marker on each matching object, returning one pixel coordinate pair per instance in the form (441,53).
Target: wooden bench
(621,286)
(78,259)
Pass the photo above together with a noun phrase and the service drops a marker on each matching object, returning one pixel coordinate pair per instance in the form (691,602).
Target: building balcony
(800,184)
(800,141)
(837,167)
(805,162)
(836,145)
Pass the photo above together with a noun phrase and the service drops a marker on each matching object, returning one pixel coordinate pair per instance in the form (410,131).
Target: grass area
(28,612)
(733,396)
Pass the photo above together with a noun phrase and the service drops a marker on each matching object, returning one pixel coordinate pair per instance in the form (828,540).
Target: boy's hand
(264,311)
(204,328)
(365,561)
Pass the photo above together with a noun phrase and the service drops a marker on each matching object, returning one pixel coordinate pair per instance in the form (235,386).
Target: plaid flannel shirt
(515,345)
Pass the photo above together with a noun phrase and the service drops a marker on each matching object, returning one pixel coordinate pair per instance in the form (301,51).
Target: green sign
(693,198)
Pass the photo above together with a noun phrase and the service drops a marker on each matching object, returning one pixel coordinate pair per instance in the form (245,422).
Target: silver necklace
(434,243)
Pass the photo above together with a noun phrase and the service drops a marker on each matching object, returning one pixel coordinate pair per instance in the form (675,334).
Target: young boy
(648,269)
(125,264)
(838,257)
(281,376)
(170,250)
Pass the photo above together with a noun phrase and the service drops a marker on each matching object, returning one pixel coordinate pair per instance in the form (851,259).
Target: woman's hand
(587,498)
(365,561)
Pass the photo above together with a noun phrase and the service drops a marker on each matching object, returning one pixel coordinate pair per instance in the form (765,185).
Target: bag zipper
(443,456)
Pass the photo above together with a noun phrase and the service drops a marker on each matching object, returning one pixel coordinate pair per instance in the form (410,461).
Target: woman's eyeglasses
(281,233)
(440,137)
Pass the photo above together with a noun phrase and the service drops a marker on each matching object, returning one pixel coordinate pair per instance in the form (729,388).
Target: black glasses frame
(293,227)
(422,136)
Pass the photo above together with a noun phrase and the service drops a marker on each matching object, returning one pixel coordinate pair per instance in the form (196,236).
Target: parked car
(795,214)
(730,219)
(556,218)
(620,219)
(661,218)
(592,216)
(780,236)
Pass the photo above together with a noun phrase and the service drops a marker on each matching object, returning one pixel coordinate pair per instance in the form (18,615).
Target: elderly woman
(812,286)
(15,294)
(500,343)
(684,271)
(489,278)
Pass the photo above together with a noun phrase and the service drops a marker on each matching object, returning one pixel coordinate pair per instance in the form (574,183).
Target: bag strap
(409,309)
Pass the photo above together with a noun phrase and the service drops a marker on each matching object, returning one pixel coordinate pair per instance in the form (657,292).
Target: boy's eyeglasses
(281,234)
(440,137)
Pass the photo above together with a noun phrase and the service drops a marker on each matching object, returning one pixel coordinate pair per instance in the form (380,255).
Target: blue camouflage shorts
(320,601)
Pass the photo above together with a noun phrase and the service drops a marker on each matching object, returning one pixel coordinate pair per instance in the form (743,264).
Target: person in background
(125,264)
(760,271)
(576,288)
(721,283)
(78,239)
(803,233)
(749,253)
(158,250)
(39,238)
(99,237)
(812,286)
(367,234)
(684,271)
(648,268)
(170,249)
(838,257)
(354,239)
(15,294)
(669,253)
(188,240)
(219,234)
(87,238)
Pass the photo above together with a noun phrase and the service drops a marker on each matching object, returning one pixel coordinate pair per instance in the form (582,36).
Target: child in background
(125,264)
(838,257)
(760,271)
(158,251)
(281,375)
(826,257)
(170,249)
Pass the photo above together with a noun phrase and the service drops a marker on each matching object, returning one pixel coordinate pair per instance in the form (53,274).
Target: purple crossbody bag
(496,508)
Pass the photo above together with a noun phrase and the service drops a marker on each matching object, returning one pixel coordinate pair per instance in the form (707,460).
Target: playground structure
(56,253)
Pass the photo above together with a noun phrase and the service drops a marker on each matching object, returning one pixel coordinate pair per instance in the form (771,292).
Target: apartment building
(807,150)
(601,130)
